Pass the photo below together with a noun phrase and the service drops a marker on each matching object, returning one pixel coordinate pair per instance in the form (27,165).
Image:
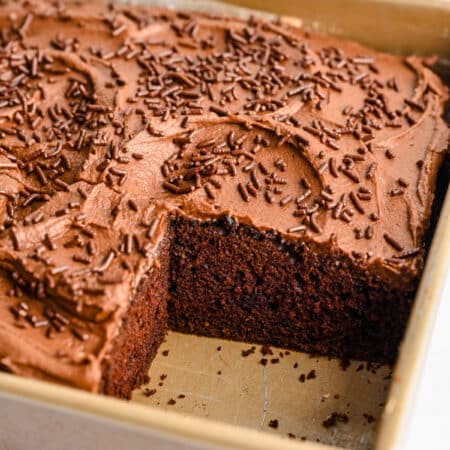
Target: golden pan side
(408,26)
(413,350)
(428,33)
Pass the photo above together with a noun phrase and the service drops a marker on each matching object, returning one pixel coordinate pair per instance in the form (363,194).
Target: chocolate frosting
(115,118)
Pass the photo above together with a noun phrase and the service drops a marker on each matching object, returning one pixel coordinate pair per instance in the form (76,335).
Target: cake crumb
(171,402)
(165,353)
(263,361)
(275,360)
(344,363)
(311,375)
(273,423)
(373,367)
(369,418)
(248,352)
(334,418)
(291,435)
(266,350)
(149,392)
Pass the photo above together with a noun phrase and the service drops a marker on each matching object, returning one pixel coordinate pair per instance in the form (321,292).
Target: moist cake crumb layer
(232,281)
(246,180)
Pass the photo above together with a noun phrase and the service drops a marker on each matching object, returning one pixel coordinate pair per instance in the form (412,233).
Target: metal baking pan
(230,401)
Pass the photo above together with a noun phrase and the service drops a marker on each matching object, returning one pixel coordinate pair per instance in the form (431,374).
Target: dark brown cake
(244,180)
(232,281)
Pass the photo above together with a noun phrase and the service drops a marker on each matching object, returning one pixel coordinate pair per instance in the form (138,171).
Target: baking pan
(210,395)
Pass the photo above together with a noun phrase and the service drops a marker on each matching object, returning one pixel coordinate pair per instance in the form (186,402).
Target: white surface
(430,422)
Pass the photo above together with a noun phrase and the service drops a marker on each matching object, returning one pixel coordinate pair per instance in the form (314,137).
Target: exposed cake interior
(235,282)
(142,330)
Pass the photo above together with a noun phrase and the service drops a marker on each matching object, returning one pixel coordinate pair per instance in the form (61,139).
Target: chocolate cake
(243,180)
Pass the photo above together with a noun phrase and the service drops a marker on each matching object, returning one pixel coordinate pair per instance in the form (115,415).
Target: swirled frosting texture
(114,118)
